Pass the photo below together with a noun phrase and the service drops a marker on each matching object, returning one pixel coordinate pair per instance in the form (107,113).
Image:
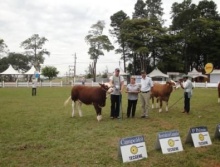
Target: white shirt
(188,86)
(116,81)
(146,84)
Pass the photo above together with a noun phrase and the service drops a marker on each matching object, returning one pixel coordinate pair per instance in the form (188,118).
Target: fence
(43,84)
(61,84)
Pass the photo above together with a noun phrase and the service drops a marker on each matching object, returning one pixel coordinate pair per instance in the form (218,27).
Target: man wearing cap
(187,86)
(117,82)
(146,86)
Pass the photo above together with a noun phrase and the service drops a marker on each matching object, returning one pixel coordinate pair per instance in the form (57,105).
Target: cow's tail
(67,100)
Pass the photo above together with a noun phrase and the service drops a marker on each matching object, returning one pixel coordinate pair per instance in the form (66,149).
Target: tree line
(33,55)
(191,41)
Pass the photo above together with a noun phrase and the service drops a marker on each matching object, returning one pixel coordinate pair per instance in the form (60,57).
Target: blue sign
(36,74)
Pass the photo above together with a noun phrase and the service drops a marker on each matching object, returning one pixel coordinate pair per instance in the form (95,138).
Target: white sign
(199,136)
(217,131)
(132,148)
(169,142)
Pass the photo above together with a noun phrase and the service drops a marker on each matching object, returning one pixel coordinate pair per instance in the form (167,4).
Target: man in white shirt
(146,86)
(34,87)
(187,86)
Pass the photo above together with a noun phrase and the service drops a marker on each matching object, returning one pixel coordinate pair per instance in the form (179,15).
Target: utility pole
(74,67)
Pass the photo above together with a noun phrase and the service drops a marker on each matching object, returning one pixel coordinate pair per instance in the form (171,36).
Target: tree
(98,43)
(3,47)
(136,33)
(49,72)
(116,21)
(198,28)
(19,62)
(34,46)
(139,10)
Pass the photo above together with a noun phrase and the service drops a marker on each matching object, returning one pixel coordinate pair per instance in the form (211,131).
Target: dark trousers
(186,102)
(115,105)
(34,91)
(131,107)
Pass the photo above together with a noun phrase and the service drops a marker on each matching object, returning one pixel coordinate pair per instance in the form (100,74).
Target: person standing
(117,82)
(132,89)
(187,86)
(34,87)
(146,86)
(83,80)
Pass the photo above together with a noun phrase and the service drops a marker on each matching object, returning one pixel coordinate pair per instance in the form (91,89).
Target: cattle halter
(176,102)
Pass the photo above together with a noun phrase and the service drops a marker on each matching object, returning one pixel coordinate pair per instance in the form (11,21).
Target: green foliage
(98,43)
(49,72)
(34,47)
(3,47)
(39,131)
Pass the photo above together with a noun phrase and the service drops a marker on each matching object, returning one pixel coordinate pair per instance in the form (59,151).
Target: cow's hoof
(99,117)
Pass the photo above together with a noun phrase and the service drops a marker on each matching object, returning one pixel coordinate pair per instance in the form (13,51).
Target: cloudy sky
(65,23)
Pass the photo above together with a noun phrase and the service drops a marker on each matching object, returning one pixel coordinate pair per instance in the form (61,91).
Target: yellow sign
(208,68)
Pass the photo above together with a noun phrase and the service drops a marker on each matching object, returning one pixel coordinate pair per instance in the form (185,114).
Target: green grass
(39,131)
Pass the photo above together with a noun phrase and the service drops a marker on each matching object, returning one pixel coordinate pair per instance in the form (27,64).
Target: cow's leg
(166,105)
(73,108)
(157,103)
(152,106)
(79,108)
(160,109)
(219,100)
(98,111)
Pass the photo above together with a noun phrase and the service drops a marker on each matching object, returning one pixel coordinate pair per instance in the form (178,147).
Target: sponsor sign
(217,131)
(132,148)
(169,142)
(199,136)
(36,74)
(208,68)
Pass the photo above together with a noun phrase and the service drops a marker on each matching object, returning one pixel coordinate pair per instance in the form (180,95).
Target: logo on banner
(171,142)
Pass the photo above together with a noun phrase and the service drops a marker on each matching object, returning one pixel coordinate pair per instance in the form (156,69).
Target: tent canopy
(157,73)
(31,71)
(10,71)
(194,74)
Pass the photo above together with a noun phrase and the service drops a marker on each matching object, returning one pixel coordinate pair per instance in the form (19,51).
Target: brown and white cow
(219,92)
(162,93)
(88,95)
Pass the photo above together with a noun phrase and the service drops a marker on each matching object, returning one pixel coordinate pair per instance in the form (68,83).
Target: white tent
(194,74)
(157,73)
(10,71)
(31,71)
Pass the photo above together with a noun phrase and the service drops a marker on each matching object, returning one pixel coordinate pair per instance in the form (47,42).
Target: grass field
(39,132)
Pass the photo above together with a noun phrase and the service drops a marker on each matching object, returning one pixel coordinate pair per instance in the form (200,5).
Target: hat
(117,69)
(143,72)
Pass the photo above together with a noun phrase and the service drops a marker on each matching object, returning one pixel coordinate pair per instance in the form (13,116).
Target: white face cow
(110,90)
(89,95)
